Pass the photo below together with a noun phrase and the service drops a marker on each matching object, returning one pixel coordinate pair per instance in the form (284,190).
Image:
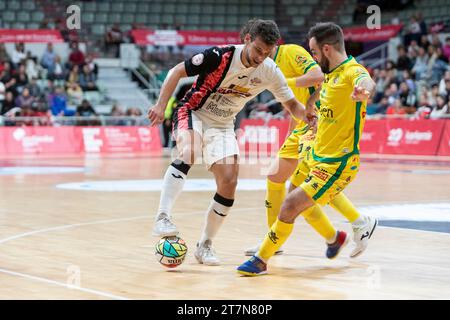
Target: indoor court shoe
(164,227)
(253,267)
(336,247)
(253,250)
(362,234)
(206,255)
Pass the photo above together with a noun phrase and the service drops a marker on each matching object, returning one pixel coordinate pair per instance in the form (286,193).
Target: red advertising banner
(70,140)
(30,35)
(38,140)
(417,137)
(444,148)
(120,139)
(187,37)
(364,34)
(372,137)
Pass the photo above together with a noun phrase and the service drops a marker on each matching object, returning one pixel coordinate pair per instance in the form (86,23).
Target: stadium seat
(114,18)
(9,16)
(23,16)
(153,18)
(131,7)
(117,7)
(101,17)
(37,16)
(103,7)
(87,17)
(127,18)
(98,29)
(143,7)
(141,18)
(90,6)
(13,5)
(28,5)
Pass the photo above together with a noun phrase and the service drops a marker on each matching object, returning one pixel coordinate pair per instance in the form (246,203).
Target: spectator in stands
(18,54)
(432,95)
(396,109)
(413,31)
(2,93)
(424,42)
(76,57)
(8,103)
(58,71)
(435,41)
(439,66)
(25,99)
(58,104)
(117,111)
(406,76)
(48,58)
(392,93)
(4,56)
(403,61)
(407,98)
(7,78)
(93,67)
(34,88)
(420,67)
(73,76)
(21,79)
(422,24)
(113,39)
(31,66)
(75,93)
(446,48)
(86,110)
(49,90)
(87,79)
(442,109)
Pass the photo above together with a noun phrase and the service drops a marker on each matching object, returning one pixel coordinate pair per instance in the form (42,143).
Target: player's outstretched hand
(360,94)
(156,115)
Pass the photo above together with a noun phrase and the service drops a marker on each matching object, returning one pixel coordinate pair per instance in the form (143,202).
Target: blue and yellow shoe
(336,247)
(253,267)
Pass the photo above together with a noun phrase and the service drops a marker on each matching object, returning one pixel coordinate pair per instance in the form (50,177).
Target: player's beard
(324,64)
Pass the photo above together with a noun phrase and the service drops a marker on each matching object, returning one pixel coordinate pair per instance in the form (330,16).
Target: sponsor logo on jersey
(321,174)
(326,112)
(197,59)
(236,91)
(255,81)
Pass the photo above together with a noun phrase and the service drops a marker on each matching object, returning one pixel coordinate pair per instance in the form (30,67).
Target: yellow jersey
(341,119)
(294,61)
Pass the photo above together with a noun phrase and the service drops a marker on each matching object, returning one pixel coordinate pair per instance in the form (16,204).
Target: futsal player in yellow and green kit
(333,161)
(303,76)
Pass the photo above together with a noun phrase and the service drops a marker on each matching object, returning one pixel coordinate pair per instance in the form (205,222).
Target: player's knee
(228,182)
(289,210)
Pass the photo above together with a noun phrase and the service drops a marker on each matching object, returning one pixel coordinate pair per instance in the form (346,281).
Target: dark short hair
(246,28)
(267,30)
(327,33)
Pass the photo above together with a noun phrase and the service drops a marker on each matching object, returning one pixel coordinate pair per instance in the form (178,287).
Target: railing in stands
(75,121)
(380,52)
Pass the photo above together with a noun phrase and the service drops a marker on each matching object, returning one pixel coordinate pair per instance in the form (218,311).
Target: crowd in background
(418,82)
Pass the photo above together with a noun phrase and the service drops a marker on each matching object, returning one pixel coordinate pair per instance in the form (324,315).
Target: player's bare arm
(156,113)
(363,90)
(312,78)
(298,111)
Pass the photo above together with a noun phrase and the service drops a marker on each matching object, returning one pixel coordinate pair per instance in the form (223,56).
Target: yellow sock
(343,204)
(274,198)
(320,222)
(274,239)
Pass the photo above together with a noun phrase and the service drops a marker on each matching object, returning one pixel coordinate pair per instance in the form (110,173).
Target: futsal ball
(171,251)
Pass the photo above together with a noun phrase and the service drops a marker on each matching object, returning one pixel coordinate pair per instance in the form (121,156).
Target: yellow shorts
(296,145)
(323,181)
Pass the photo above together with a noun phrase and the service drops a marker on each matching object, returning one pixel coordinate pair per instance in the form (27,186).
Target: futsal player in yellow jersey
(303,75)
(333,161)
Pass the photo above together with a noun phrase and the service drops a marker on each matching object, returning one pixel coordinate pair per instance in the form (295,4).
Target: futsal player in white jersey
(228,77)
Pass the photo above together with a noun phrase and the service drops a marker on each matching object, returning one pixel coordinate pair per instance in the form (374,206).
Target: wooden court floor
(85,244)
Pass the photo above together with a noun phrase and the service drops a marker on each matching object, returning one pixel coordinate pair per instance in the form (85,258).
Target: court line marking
(69,226)
(63,227)
(65,285)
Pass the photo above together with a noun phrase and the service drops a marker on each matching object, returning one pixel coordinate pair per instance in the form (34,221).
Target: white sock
(172,186)
(332,240)
(360,221)
(217,211)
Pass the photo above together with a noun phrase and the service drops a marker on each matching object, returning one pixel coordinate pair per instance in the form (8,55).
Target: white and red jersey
(224,85)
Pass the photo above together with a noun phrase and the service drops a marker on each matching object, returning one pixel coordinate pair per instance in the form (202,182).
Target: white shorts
(216,143)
